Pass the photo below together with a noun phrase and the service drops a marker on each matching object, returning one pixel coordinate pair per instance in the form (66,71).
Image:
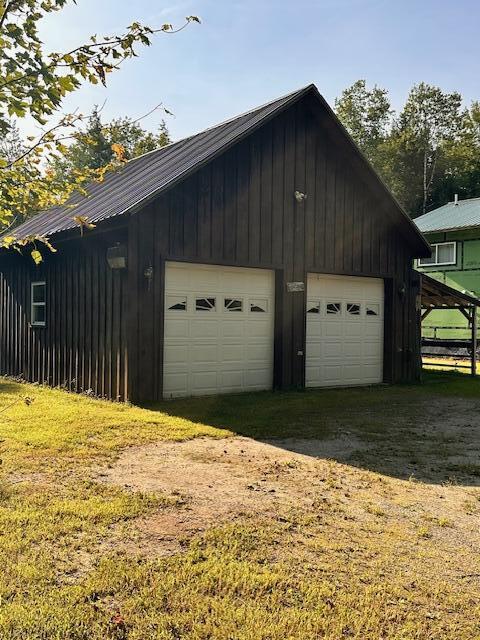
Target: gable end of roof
(142,179)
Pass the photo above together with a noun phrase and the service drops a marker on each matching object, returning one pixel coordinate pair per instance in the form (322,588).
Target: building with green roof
(453,231)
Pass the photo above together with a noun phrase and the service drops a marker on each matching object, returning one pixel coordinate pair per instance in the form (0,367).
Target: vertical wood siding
(83,346)
(104,330)
(240,210)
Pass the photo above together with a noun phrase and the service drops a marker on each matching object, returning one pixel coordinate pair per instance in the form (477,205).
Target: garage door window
(258,306)
(233,304)
(373,309)
(205,304)
(353,308)
(313,306)
(176,303)
(334,308)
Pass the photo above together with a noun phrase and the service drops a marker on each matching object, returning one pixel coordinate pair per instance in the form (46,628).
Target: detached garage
(262,253)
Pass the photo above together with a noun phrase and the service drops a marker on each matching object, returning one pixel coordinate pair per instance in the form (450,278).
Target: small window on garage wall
(259,305)
(233,304)
(205,304)
(353,308)
(176,303)
(38,305)
(373,309)
(333,308)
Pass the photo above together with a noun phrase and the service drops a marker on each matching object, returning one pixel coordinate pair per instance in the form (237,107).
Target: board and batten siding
(104,331)
(240,210)
(83,346)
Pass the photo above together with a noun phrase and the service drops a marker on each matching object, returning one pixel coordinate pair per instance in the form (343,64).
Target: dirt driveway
(418,476)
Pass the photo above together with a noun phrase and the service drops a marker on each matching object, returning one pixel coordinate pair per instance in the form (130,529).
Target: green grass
(66,572)
(42,427)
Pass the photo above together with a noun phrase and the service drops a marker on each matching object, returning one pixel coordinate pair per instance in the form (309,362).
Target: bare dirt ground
(334,480)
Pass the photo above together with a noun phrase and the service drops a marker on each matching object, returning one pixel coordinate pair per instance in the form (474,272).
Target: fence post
(474,341)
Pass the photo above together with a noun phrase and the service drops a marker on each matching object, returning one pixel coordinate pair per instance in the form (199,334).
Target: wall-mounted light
(300,196)
(148,275)
(117,256)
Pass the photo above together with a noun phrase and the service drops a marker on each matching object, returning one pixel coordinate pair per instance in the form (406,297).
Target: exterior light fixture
(300,197)
(117,256)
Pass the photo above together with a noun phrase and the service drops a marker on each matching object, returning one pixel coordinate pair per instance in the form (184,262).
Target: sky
(247,52)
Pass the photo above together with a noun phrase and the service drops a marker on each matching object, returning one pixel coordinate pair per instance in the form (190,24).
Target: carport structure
(437,295)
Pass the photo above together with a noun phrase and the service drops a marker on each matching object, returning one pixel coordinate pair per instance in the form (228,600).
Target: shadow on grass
(426,431)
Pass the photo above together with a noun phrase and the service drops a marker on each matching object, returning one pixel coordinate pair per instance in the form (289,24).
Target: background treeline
(426,152)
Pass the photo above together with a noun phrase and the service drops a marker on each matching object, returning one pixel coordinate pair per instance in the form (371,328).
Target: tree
(11,144)
(33,83)
(427,152)
(460,162)
(366,114)
(429,121)
(93,147)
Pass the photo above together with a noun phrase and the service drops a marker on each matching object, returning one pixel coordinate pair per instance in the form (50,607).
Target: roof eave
(451,229)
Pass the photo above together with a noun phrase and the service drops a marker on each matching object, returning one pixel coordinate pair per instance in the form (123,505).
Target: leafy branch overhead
(33,84)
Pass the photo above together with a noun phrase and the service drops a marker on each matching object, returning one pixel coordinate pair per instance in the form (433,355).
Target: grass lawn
(373,534)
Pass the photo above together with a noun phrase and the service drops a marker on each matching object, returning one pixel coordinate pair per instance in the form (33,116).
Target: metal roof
(146,176)
(142,179)
(451,216)
(436,294)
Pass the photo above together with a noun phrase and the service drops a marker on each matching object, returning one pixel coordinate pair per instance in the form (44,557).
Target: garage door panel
(259,330)
(201,353)
(332,350)
(332,329)
(232,329)
(232,353)
(176,328)
(354,329)
(231,380)
(258,378)
(176,353)
(259,353)
(353,350)
(373,329)
(315,350)
(373,350)
(332,373)
(204,379)
(344,347)
(176,384)
(229,348)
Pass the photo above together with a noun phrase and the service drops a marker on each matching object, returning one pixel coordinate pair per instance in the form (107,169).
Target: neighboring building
(261,253)
(454,234)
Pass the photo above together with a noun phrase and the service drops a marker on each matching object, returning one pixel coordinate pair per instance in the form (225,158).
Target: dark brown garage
(261,253)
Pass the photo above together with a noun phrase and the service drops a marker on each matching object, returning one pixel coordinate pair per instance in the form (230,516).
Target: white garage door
(344,343)
(218,329)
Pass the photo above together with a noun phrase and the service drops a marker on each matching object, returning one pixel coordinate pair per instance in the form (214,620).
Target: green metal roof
(463,215)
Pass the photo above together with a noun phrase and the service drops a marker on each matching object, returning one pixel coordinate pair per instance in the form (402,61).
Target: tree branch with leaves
(33,84)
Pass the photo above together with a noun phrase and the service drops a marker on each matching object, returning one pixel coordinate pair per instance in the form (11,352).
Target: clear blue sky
(247,52)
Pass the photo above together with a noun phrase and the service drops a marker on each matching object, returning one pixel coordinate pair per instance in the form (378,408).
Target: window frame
(435,251)
(34,304)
